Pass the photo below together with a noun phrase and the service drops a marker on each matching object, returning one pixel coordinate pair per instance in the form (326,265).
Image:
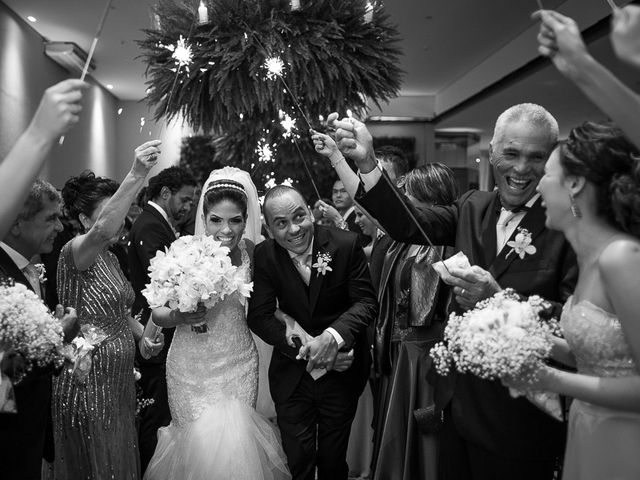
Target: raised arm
(57,113)
(560,40)
(86,247)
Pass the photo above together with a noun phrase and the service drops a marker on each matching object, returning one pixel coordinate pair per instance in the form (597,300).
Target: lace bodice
(222,363)
(597,340)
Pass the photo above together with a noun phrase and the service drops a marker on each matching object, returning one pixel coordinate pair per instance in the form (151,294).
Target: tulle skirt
(230,440)
(602,444)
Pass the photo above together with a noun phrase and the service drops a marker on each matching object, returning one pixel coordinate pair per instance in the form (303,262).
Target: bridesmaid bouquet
(30,336)
(194,270)
(503,336)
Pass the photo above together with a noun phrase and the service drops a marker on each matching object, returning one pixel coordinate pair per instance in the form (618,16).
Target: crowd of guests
(578,199)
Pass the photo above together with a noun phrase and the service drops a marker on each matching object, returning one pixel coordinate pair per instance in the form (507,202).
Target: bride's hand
(190,318)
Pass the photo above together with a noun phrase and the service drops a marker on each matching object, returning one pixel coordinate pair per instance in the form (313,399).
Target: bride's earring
(575,210)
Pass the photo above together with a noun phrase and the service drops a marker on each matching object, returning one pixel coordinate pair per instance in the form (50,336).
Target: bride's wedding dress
(212,380)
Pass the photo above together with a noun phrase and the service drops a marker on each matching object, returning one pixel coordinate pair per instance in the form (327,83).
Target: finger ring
(462,291)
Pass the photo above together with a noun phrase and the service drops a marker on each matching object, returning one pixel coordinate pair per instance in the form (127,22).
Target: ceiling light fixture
(32,19)
(109,86)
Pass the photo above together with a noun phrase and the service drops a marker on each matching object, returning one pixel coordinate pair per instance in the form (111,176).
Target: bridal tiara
(233,186)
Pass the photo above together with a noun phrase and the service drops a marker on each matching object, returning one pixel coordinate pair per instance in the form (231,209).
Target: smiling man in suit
(318,276)
(171,194)
(487,434)
(23,439)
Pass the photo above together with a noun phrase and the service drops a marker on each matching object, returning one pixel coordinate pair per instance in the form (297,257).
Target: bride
(212,377)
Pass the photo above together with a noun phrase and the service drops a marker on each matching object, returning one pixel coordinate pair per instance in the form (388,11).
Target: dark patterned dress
(94,421)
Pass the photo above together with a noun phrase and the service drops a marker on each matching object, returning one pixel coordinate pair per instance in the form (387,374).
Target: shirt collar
(307,253)
(348,212)
(526,206)
(161,210)
(17,258)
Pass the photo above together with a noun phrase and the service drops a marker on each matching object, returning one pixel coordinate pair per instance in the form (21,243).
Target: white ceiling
(453,50)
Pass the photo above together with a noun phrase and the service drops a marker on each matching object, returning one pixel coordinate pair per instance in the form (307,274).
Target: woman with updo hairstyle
(94,406)
(591,191)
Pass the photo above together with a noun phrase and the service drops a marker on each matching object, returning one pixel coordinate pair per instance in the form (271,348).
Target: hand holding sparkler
(560,40)
(59,109)
(625,34)
(354,141)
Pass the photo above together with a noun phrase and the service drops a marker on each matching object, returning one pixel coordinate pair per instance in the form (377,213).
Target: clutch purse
(429,419)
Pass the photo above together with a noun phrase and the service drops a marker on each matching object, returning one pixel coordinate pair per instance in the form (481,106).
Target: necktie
(31,272)
(302,263)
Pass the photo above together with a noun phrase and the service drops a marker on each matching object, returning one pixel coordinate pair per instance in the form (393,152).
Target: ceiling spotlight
(477,160)
(32,19)
(109,86)
(119,110)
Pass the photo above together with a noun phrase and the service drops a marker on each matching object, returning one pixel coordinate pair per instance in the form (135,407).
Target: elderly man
(487,434)
(23,442)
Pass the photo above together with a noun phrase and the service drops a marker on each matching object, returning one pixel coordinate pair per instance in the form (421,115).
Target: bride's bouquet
(502,337)
(194,270)
(30,336)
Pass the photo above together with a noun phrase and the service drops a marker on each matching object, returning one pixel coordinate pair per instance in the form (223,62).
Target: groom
(319,277)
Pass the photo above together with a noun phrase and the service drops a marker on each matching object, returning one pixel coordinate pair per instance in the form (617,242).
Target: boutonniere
(322,263)
(522,244)
(42,272)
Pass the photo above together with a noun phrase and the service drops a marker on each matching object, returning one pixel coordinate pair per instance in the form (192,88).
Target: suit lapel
(158,216)
(533,221)
(488,232)
(320,245)
(10,269)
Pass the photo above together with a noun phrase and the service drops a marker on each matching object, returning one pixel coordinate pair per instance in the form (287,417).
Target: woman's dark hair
(432,183)
(81,194)
(601,153)
(225,190)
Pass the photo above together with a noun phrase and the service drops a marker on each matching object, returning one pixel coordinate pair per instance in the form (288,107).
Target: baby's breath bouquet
(30,336)
(502,337)
(194,270)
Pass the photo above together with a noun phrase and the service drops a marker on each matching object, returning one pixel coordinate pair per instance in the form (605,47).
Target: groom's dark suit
(150,233)
(26,437)
(343,299)
(482,412)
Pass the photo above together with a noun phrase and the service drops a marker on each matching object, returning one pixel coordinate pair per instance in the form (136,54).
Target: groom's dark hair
(174,178)
(277,192)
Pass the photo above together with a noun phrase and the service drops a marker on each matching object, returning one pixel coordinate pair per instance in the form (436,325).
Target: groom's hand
(321,352)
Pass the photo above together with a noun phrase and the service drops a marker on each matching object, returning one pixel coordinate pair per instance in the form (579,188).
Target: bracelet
(336,163)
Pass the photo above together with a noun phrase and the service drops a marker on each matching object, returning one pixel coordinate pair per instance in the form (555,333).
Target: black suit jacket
(149,233)
(483,411)
(25,437)
(342,298)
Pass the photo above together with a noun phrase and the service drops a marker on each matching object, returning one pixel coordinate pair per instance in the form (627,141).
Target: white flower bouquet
(30,336)
(79,351)
(194,270)
(502,337)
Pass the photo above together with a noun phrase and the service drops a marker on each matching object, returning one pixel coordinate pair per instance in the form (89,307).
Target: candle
(368,13)
(295,5)
(203,13)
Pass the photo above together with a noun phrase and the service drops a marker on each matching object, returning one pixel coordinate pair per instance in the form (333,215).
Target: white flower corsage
(42,272)
(522,244)
(322,263)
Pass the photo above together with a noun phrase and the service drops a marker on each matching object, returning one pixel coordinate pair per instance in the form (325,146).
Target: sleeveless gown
(602,442)
(212,381)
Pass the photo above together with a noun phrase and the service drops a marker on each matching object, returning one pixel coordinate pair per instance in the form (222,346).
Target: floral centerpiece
(30,336)
(502,337)
(195,270)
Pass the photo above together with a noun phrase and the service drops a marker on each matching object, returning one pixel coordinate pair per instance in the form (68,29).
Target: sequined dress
(94,421)
(212,382)
(603,443)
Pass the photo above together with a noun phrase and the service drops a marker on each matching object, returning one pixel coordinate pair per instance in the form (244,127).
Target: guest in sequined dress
(94,418)
(591,191)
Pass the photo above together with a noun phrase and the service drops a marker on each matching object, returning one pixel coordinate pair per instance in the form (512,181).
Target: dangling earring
(575,209)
